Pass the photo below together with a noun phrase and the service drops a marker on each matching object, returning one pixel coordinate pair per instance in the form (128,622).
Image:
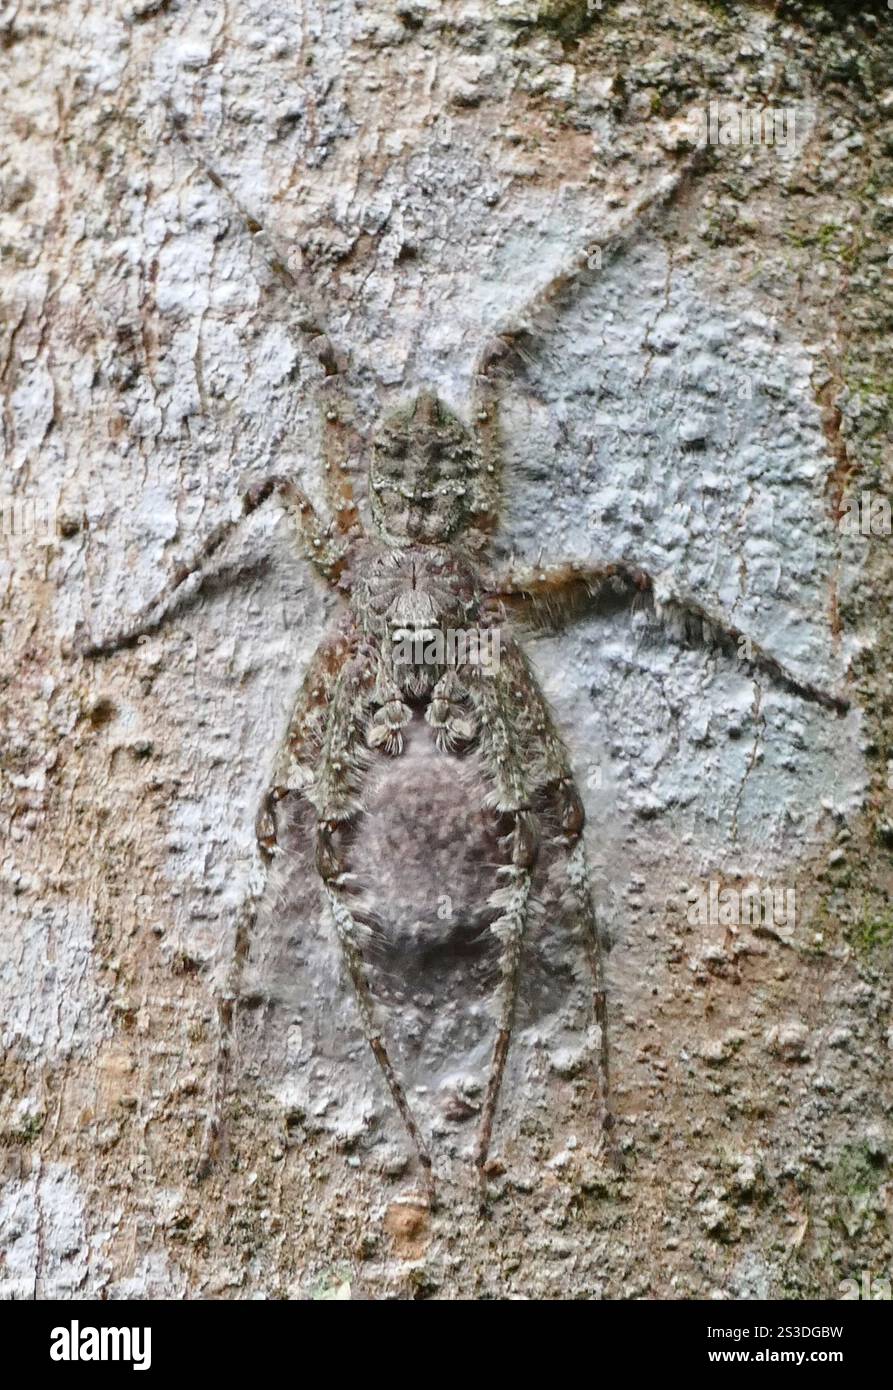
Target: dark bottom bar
(93,1339)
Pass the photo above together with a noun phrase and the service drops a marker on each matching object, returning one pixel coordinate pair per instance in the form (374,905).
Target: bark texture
(706,402)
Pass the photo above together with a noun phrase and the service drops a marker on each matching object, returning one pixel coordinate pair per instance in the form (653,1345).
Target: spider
(420,573)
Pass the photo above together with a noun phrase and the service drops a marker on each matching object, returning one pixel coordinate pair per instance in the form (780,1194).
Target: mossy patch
(830,11)
(872,933)
(566,19)
(855,1181)
(859,1169)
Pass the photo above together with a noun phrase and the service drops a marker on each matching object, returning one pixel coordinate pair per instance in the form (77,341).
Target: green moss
(567,19)
(859,1171)
(27,1131)
(830,240)
(855,1182)
(830,10)
(871,934)
(876,395)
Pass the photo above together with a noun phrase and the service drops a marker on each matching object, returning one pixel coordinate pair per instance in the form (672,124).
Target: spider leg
(363,716)
(308,319)
(302,741)
(547,599)
(227,1002)
(504,740)
(509,927)
(506,345)
(485,419)
(586,260)
(571,818)
(545,768)
(337,432)
(327,552)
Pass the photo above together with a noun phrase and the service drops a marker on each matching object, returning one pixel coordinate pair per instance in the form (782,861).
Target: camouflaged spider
(434,493)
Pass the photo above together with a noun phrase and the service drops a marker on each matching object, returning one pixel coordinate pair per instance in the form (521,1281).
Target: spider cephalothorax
(424,477)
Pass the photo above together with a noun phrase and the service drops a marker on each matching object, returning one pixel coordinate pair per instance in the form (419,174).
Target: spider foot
(265,826)
(490,1168)
(84,646)
(607,1146)
(429,1186)
(497,351)
(210,1150)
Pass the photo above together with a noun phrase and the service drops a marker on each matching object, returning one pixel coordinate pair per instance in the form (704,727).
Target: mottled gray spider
(434,494)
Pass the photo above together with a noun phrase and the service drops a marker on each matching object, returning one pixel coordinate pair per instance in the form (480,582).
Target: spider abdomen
(425,855)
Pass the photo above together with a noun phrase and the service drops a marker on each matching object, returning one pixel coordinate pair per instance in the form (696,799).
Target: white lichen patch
(43,1236)
(62,1013)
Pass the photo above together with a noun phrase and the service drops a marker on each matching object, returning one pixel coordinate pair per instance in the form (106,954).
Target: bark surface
(709,401)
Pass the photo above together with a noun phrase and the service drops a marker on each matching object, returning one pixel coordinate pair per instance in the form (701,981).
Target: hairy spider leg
(321,543)
(504,744)
(531,756)
(299,751)
(571,819)
(506,345)
(549,598)
(551,757)
(299,292)
(337,433)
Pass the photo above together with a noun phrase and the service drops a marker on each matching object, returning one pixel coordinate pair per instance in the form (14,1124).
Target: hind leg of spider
(503,741)
(227,1004)
(566,798)
(528,758)
(300,747)
(359,722)
(513,898)
(349,934)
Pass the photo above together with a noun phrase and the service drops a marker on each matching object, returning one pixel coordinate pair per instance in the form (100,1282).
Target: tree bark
(710,400)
